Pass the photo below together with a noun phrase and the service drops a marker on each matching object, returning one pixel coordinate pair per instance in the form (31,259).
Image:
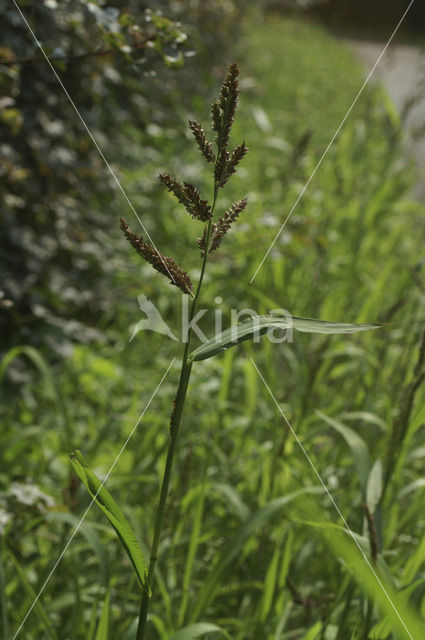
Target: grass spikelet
(224,108)
(165,265)
(221,168)
(222,115)
(203,144)
(188,196)
(223,224)
(238,153)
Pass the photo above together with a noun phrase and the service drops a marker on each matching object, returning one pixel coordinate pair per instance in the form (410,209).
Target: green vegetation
(252,546)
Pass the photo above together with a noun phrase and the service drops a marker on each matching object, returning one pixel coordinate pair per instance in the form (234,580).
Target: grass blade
(256,326)
(193,631)
(357,445)
(374,581)
(374,486)
(114,514)
(313,632)
(38,607)
(102,629)
(234,547)
(193,545)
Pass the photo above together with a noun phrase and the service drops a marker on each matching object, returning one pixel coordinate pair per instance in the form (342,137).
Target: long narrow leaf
(107,504)
(374,486)
(102,629)
(374,580)
(259,325)
(357,446)
(193,631)
(190,559)
(233,548)
(39,610)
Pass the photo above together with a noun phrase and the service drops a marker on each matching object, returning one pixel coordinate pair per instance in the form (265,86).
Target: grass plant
(250,546)
(224,164)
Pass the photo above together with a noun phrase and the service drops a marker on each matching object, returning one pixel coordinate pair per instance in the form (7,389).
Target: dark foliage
(121,65)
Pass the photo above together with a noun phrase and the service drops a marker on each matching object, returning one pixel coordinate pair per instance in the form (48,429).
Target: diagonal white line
(93,139)
(334,137)
(75,531)
(332,500)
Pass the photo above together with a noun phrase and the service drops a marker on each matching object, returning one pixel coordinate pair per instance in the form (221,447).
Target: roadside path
(402,74)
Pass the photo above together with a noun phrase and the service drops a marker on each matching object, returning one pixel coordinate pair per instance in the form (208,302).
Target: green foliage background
(251,548)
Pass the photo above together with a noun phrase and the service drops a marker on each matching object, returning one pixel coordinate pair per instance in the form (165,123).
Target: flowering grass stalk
(224,165)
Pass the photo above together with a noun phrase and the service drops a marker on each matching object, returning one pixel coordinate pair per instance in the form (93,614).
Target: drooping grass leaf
(383,628)
(255,326)
(313,632)
(357,445)
(373,580)
(374,486)
(193,631)
(232,498)
(107,504)
(414,563)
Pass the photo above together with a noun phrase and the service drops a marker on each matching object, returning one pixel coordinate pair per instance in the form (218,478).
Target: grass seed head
(223,109)
(188,196)
(223,224)
(222,115)
(163,264)
(220,168)
(200,137)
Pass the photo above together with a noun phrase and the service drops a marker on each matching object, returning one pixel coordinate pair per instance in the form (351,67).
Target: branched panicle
(200,137)
(224,164)
(167,266)
(223,224)
(188,196)
(199,209)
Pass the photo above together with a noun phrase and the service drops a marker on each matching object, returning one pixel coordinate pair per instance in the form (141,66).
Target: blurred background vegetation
(352,251)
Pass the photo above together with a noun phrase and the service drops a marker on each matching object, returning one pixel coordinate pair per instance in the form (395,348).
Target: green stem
(185,372)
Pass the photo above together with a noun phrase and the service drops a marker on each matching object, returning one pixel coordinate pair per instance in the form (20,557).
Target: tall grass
(244,553)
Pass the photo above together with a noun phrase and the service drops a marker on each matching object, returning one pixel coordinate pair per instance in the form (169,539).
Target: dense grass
(251,541)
